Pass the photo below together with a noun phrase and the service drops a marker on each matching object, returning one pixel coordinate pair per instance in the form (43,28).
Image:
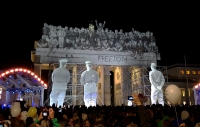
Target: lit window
(0,90)
(198,72)
(188,72)
(182,71)
(194,72)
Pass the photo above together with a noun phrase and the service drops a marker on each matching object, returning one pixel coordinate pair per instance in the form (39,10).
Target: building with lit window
(186,78)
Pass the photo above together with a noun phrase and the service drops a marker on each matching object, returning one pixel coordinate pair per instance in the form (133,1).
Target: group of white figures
(61,77)
(89,78)
(101,39)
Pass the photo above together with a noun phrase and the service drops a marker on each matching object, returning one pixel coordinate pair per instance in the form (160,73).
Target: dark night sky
(175,26)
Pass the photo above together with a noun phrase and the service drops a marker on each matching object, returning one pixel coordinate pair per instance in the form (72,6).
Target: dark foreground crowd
(107,116)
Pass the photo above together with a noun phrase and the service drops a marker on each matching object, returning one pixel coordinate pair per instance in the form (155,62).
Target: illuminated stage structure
(21,85)
(122,60)
(196,90)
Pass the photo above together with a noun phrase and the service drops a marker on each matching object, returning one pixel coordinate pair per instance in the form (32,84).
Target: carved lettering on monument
(109,58)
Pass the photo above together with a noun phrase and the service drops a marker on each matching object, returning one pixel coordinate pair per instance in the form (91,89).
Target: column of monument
(74,85)
(107,97)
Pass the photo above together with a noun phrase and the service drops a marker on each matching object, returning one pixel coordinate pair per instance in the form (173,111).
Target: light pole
(187,95)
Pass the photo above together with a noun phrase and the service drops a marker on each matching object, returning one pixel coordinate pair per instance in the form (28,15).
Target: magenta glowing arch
(12,72)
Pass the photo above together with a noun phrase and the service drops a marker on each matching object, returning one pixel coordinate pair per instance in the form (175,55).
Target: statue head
(106,30)
(45,24)
(82,29)
(148,34)
(66,28)
(63,62)
(88,65)
(71,29)
(153,66)
(67,40)
(59,27)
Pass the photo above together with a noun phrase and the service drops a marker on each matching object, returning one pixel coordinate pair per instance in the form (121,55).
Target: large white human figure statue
(89,78)
(60,79)
(157,81)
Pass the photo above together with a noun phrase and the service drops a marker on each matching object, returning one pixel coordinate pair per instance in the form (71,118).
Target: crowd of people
(100,39)
(106,116)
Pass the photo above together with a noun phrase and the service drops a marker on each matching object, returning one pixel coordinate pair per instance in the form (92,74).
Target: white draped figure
(89,78)
(157,82)
(60,79)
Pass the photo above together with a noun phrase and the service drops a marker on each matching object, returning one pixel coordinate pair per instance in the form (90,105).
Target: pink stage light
(24,70)
(7,72)
(20,69)
(32,73)
(2,74)
(11,70)
(36,76)
(16,69)
(28,71)
(196,86)
(39,79)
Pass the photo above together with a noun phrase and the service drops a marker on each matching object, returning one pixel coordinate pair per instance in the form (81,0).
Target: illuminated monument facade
(118,57)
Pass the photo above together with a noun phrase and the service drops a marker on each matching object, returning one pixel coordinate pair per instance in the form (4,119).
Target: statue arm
(68,77)
(97,79)
(82,79)
(162,80)
(103,24)
(52,77)
(96,24)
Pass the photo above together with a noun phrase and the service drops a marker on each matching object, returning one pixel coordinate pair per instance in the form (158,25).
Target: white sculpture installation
(89,79)
(60,79)
(101,39)
(157,82)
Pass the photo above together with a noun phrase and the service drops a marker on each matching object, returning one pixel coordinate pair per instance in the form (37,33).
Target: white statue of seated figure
(89,78)
(60,79)
(157,81)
